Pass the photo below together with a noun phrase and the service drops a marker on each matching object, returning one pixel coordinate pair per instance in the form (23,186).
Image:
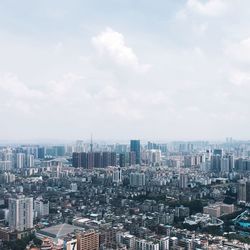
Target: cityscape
(136,195)
(124,125)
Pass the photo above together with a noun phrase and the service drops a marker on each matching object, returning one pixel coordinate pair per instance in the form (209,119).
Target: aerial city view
(125,125)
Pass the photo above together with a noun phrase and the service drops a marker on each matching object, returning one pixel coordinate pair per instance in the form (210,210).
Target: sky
(122,69)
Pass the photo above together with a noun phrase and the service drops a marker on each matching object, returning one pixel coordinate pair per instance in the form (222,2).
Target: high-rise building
(113,159)
(137,179)
(132,158)
(88,240)
(106,159)
(241,192)
(122,160)
(79,160)
(21,213)
(41,207)
(136,147)
(218,152)
(117,175)
(97,159)
(183,181)
(216,163)
(30,161)
(225,164)
(91,160)
(248,191)
(41,152)
(20,160)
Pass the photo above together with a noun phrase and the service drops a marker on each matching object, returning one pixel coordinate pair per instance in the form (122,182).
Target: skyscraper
(136,147)
(21,213)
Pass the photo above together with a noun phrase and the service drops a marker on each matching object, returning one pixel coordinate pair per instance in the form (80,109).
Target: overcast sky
(163,69)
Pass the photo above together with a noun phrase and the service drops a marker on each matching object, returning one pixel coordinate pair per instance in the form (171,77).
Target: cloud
(240,78)
(208,7)
(111,44)
(239,51)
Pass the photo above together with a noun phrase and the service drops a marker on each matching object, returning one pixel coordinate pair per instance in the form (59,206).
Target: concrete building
(21,213)
(137,179)
(41,207)
(88,240)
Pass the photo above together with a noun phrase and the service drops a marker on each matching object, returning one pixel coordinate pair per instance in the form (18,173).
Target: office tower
(97,159)
(225,164)
(136,147)
(189,161)
(21,213)
(241,191)
(76,160)
(41,207)
(132,158)
(59,150)
(20,160)
(30,161)
(79,160)
(122,160)
(183,181)
(137,179)
(84,160)
(41,152)
(117,175)
(216,163)
(152,145)
(113,159)
(88,240)
(91,159)
(218,152)
(231,162)
(106,159)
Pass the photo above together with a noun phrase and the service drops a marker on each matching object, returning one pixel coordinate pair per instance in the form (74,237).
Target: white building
(30,161)
(21,213)
(137,179)
(183,180)
(20,160)
(73,187)
(41,207)
(117,175)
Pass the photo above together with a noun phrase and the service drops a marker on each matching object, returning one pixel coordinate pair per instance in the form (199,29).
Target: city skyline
(171,70)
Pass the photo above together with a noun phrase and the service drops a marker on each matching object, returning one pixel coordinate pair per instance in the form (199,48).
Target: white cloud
(110,43)
(239,51)
(240,78)
(208,7)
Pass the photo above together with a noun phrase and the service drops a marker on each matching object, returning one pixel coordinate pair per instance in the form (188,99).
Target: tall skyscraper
(136,147)
(21,213)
